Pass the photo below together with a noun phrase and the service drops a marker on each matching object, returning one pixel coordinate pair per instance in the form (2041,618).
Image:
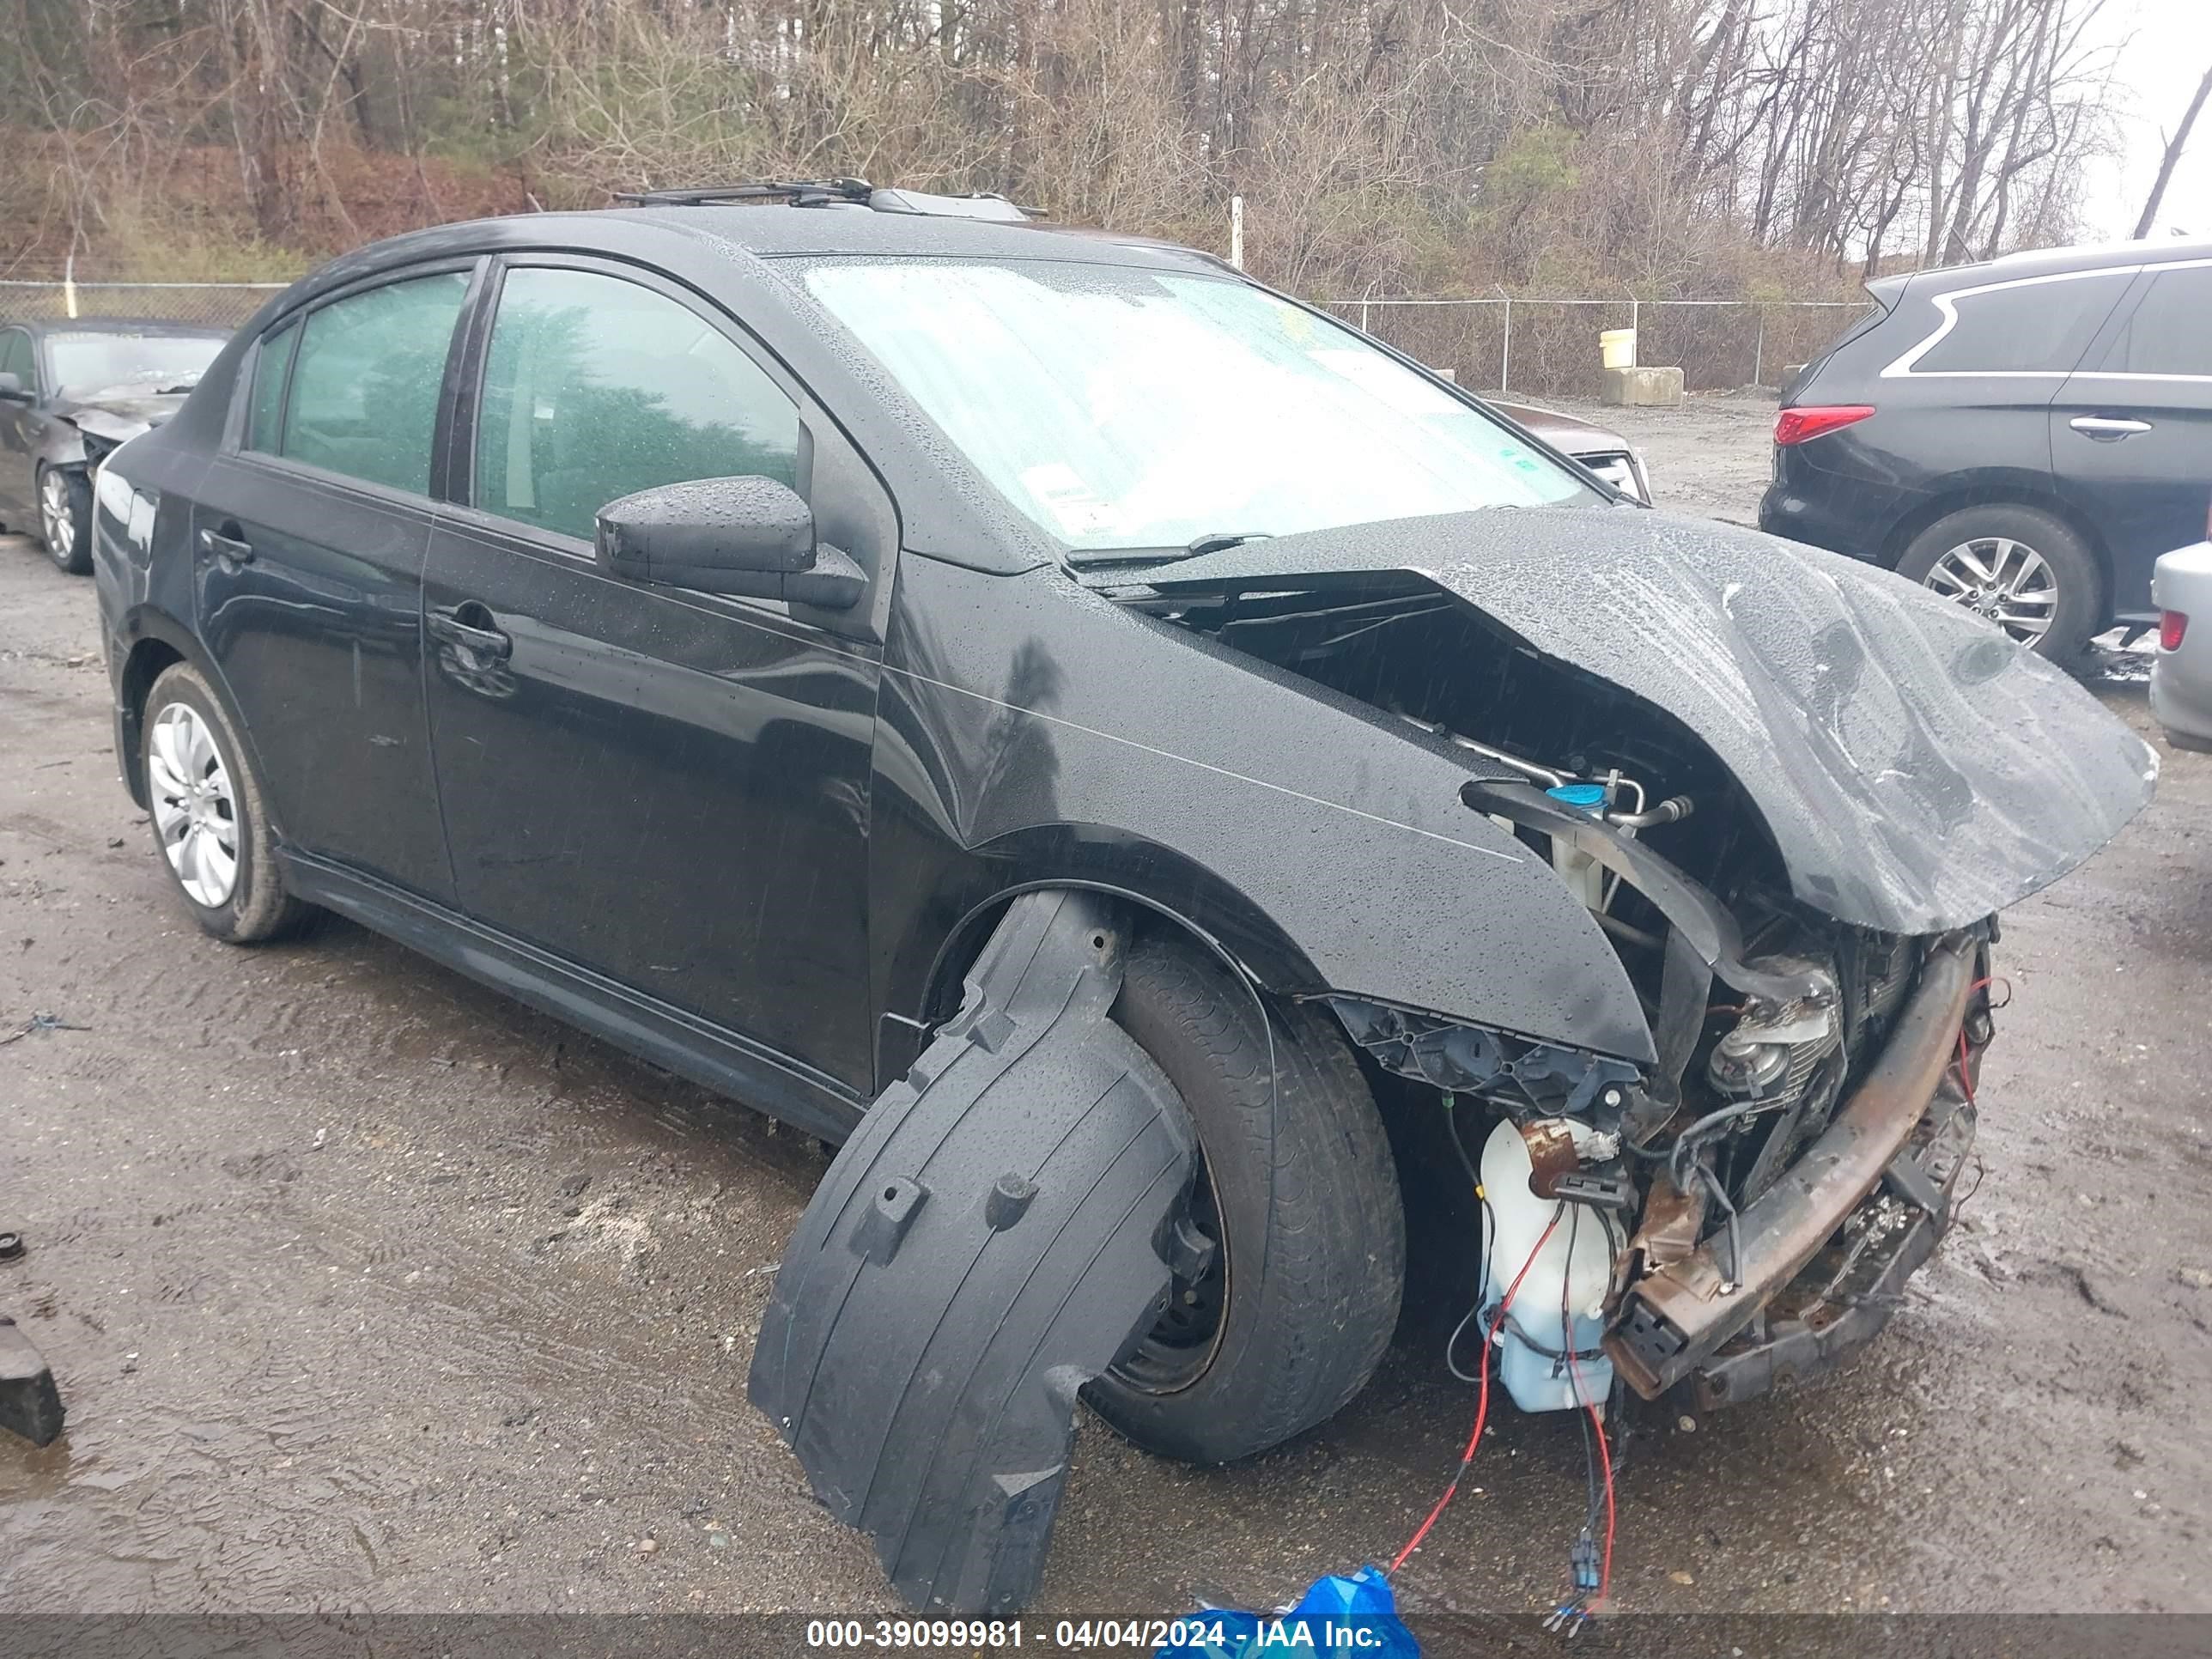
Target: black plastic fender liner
(991,1238)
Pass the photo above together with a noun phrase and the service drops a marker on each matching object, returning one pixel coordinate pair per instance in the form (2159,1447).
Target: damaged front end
(1674,856)
(1758,1194)
(1736,1227)
(1792,798)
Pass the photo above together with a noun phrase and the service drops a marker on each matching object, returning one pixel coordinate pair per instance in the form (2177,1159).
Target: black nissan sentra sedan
(1098,738)
(71,392)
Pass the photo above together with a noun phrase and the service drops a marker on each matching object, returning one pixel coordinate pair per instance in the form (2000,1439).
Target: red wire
(1605,1461)
(1482,1397)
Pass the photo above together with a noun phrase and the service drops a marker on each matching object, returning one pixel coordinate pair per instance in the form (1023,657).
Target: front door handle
(469,625)
(226,546)
(2107,429)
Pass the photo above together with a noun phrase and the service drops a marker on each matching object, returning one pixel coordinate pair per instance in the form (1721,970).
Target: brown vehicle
(1608,454)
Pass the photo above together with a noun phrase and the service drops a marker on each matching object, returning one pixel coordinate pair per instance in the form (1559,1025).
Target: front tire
(65,518)
(2017,567)
(1299,1303)
(210,822)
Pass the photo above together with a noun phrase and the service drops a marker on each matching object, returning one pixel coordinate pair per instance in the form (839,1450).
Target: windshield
(1125,409)
(92,362)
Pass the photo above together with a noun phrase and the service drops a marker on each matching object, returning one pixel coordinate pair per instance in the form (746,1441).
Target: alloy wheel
(56,521)
(194,806)
(2002,580)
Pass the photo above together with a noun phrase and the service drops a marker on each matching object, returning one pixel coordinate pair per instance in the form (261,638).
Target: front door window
(595,388)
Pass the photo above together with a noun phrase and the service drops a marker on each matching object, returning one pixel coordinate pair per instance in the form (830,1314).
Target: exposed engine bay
(1596,1171)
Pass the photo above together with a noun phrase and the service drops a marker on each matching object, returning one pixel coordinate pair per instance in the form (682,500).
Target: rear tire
(1944,557)
(65,518)
(1310,1253)
(201,788)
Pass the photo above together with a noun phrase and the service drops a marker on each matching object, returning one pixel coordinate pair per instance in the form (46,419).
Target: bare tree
(2174,145)
(1379,144)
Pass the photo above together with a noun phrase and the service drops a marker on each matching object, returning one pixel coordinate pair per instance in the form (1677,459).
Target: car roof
(2057,261)
(767,232)
(780,231)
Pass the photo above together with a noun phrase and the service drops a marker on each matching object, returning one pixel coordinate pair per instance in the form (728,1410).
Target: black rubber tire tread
(1301,1338)
(2080,611)
(259,910)
(76,559)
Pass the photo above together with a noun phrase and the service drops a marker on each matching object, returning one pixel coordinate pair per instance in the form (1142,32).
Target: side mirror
(11,388)
(752,536)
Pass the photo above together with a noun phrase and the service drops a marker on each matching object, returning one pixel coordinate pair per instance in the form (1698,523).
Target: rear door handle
(469,625)
(226,545)
(2107,429)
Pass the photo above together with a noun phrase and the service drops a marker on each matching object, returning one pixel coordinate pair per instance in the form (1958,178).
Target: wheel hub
(194,808)
(1176,1351)
(54,510)
(2000,581)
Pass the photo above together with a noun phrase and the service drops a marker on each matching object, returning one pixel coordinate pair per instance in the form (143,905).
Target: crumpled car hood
(122,412)
(1917,769)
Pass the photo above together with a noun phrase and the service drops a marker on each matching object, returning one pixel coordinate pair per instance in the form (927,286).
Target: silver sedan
(2181,676)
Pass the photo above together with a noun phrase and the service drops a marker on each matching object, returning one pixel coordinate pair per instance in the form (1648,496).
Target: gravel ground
(370,1290)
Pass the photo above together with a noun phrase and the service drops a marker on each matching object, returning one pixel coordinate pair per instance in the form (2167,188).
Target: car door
(2131,429)
(20,424)
(666,787)
(308,533)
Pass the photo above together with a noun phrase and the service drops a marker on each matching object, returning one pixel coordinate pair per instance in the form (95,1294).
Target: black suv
(1093,735)
(2024,436)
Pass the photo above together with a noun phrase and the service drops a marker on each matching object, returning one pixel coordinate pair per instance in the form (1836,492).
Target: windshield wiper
(1214,541)
(1221,541)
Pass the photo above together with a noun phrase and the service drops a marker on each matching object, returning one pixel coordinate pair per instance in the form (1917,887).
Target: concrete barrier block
(1644,388)
(29,1404)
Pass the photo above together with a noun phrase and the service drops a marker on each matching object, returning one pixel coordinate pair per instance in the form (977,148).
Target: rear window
(2036,328)
(365,381)
(1860,325)
(2171,331)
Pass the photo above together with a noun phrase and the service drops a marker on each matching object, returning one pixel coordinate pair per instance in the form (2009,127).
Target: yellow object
(1617,346)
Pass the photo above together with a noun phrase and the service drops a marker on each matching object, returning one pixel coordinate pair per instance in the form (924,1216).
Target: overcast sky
(2167,46)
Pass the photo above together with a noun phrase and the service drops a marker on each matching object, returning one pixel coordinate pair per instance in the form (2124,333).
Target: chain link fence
(1548,348)
(1540,348)
(224,305)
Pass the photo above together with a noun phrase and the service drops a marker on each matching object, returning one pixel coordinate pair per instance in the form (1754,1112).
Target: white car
(2181,675)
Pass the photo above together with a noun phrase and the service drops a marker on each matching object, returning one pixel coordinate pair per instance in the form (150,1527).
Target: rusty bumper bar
(1674,1318)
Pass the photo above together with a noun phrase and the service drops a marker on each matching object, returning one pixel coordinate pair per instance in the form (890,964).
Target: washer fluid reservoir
(1573,1267)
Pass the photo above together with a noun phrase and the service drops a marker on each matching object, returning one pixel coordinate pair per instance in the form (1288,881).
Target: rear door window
(2039,327)
(274,364)
(595,387)
(2171,330)
(365,385)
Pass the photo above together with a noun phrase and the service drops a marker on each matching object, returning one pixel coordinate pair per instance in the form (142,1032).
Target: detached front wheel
(1295,1232)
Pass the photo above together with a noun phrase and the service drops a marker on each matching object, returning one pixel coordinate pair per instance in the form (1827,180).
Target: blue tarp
(1339,1618)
